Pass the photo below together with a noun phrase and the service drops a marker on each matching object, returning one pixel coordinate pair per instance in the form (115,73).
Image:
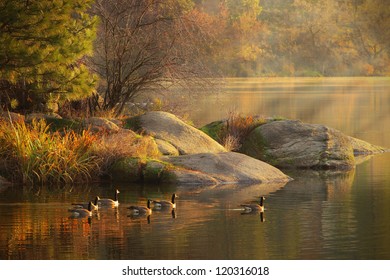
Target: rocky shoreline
(191,157)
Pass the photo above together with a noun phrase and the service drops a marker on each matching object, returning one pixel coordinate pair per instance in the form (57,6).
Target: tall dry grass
(237,129)
(113,147)
(34,156)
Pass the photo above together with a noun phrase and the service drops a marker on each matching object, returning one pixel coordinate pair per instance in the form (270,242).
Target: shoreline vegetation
(158,147)
(85,59)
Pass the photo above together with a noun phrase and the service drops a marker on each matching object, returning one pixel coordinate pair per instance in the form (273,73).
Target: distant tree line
(304,37)
(101,54)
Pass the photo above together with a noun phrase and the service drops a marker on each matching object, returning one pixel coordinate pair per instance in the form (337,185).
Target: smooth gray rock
(293,144)
(166,148)
(185,177)
(185,138)
(230,168)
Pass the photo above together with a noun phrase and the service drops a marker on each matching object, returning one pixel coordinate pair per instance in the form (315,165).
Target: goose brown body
(141,210)
(81,212)
(248,208)
(165,203)
(107,202)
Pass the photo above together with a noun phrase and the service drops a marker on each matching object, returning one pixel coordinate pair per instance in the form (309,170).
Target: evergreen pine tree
(42,46)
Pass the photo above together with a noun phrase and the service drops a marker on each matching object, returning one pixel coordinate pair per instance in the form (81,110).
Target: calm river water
(319,215)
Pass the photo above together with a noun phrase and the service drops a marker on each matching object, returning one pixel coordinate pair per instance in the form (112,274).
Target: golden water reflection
(319,215)
(357,106)
(316,216)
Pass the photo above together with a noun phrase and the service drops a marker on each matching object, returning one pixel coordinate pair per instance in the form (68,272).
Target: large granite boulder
(294,144)
(185,138)
(154,171)
(197,169)
(229,168)
(186,177)
(166,148)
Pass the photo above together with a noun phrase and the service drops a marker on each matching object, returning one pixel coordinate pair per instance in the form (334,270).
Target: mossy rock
(64,124)
(152,171)
(126,170)
(255,144)
(133,123)
(56,122)
(214,129)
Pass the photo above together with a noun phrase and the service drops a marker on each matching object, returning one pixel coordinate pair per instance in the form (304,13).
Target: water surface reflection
(317,216)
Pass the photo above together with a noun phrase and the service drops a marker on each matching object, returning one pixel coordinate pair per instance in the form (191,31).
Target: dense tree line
(109,52)
(307,37)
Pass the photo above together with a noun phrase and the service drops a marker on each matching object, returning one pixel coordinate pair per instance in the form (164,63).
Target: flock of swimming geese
(85,209)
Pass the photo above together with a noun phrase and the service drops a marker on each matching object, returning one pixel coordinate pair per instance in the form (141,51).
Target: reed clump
(33,155)
(237,129)
(111,148)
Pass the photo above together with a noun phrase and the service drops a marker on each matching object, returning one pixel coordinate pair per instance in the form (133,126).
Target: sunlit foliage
(302,37)
(33,155)
(43,44)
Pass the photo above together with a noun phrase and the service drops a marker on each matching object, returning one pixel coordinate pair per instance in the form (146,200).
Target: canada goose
(85,204)
(141,210)
(166,204)
(248,208)
(107,202)
(81,212)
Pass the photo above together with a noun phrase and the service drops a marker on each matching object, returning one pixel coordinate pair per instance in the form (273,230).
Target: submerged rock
(293,144)
(185,138)
(361,147)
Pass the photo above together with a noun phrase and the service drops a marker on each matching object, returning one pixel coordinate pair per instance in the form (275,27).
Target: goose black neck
(173,198)
(116,196)
(148,204)
(261,201)
(90,206)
